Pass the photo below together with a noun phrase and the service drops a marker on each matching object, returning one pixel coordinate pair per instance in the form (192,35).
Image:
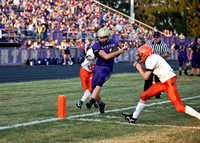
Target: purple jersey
(196,55)
(107,48)
(103,68)
(196,48)
(182,48)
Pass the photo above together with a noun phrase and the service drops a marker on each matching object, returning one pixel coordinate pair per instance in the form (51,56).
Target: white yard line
(142,125)
(86,115)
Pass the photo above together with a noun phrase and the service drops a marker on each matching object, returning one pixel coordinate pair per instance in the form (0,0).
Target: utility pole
(132,14)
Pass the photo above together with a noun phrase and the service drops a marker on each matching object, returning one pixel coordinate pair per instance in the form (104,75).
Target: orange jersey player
(86,73)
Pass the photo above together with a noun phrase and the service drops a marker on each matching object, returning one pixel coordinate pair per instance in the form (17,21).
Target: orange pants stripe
(86,79)
(170,87)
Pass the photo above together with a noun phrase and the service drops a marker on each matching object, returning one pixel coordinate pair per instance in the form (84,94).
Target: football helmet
(103,35)
(188,64)
(143,52)
(182,38)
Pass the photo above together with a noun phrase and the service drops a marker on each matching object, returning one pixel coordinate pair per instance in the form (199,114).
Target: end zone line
(140,125)
(86,115)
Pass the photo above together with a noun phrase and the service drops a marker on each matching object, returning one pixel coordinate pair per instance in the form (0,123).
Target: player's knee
(179,107)
(144,96)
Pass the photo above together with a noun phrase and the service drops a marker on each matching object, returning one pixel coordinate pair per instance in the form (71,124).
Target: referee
(159,47)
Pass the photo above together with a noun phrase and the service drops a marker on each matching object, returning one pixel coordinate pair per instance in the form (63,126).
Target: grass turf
(25,102)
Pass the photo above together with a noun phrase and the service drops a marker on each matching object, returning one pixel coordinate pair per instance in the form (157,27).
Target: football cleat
(96,105)
(186,73)
(79,104)
(129,118)
(101,107)
(88,105)
(159,96)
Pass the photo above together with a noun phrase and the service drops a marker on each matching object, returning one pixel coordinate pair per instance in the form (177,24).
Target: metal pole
(132,14)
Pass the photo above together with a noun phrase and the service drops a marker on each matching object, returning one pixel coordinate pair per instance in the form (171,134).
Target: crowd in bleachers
(32,23)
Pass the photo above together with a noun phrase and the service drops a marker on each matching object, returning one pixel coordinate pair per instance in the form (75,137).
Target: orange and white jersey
(89,65)
(159,67)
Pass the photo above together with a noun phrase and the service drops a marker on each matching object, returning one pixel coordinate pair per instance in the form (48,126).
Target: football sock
(180,72)
(92,100)
(85,95)
(186,73)
(139,108)
(190,111)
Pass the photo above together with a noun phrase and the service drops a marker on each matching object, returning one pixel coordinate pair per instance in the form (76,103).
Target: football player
(181,49)
(157,65)
(195,57)
(103,50)
(86,73)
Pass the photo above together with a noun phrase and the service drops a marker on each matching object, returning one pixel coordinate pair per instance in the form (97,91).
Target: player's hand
(120,50)
(135,64)
(124,47)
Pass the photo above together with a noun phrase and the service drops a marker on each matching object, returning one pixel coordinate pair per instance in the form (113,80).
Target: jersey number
(91,67)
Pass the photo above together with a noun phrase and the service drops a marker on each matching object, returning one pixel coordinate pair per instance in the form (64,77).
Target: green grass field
(34,105)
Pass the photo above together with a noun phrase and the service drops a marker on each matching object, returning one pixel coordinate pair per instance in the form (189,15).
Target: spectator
(24,45)
(40,29)
(45,36)
(34,46)
(42,45)
(65,47)
(71,44)
(29,44)
(31,29)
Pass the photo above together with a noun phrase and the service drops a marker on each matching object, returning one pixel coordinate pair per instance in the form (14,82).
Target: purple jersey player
(195,57)
(104,66)
(181,49)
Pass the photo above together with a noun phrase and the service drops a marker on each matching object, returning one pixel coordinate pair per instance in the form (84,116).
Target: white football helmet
(103,35)
(182,38)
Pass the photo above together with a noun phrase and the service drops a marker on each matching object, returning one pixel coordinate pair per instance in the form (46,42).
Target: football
(114,50)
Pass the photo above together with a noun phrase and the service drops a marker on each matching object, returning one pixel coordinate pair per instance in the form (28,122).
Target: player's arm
(190,58)
(165,55)
(173,47)
(187,51)
(145,74)
(90,55)
(110,55)
(90,58)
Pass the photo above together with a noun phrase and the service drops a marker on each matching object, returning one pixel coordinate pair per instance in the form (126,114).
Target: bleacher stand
(47,21)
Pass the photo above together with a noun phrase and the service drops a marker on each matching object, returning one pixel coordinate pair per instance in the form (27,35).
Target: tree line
(178,16)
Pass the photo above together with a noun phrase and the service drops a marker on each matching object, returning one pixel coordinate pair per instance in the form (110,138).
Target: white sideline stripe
(29,123)
(141,125)
(86,115)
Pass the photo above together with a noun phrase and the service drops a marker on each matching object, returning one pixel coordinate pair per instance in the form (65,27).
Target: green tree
(193,18)
(120,5)
(174,15)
